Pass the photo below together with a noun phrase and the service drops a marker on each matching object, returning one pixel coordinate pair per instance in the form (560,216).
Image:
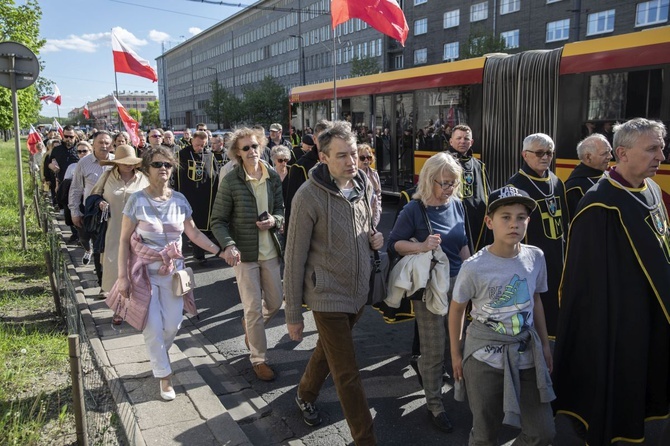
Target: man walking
(594,152)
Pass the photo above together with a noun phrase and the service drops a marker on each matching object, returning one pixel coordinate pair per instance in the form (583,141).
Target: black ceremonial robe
(581,179)
(196,180)
(547,230)
(474,194)
(612,356)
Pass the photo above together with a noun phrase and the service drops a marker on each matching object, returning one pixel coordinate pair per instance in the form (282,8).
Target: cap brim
(528,202)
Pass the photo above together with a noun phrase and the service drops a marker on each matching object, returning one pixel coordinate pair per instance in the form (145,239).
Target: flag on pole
(385,16)
(33,138)
(57,126)
(127,61)
(87,114)
(132,126)
(55,97)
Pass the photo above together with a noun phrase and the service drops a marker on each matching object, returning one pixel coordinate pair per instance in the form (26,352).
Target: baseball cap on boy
(510,195)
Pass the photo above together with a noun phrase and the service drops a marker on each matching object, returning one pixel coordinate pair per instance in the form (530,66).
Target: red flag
(127,61)
(57,126)
(33,138)
(383,15)
(132,126)
(55,98)
(86,113)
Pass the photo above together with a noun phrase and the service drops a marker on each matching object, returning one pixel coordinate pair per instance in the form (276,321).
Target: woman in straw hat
(115,187)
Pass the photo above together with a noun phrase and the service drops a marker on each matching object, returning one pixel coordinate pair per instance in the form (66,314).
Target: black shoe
(441,421)
(310,414)
(202,261)
(74,238)
(414,363)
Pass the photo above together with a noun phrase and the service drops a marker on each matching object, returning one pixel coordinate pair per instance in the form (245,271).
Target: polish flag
(55,98)
(87,114)
(132,126)
(385,16)
(127,61)
(33,138)
(56,126)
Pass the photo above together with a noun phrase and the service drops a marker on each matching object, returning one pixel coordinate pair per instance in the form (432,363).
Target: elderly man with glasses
(155,137)
(549,221)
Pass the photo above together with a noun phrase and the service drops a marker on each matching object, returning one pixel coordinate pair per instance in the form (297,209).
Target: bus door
(394,147)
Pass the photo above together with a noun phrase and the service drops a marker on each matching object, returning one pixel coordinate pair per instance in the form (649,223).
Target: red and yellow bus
(566,93)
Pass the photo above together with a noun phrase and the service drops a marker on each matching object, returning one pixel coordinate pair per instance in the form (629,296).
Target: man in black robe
(612,356)
(594,152)
(474,186)
(196,180)
(549,221)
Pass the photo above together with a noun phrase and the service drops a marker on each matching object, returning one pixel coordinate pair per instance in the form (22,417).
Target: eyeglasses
(447,186)
(69,136)
(365,158)
(159,164)
(156,136)
(247,148)
(82,151)
(282,160)
(542,153)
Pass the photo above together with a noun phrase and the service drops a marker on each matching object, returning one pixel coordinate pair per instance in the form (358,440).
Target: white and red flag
(385,16)
(55,97)
(56,126)
(127,61)
(33,138)
(87,114)
(132,126)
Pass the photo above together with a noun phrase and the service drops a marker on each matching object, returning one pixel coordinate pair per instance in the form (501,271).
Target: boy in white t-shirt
(506,361)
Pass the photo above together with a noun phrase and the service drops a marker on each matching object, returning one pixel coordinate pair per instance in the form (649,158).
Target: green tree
(21,24)
(266,103)
(135,114)
(224,108)
(364,66)
(480,43)
(151,116)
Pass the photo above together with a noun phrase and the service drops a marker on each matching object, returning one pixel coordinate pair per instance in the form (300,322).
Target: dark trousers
(88,241)
(334,354)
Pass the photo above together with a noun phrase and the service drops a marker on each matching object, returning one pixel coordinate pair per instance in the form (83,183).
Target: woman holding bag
(112,191)
(149,254)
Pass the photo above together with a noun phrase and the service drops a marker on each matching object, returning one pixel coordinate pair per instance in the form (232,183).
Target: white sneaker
(86,259)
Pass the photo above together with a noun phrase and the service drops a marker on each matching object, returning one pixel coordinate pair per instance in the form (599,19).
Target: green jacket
(234,214)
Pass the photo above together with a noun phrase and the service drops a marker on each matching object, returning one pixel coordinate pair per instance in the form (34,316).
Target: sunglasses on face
(155,136)
(365,158)
(159,164)
(282,160)
(82,151)
(542,153)
(247,148)
(69,136)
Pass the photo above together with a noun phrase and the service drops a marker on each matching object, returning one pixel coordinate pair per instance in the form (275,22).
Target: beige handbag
(183,281)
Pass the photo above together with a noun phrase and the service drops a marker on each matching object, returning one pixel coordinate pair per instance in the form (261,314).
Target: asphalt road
(382,352)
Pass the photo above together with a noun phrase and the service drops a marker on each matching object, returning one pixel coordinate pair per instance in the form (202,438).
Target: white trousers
(163,323)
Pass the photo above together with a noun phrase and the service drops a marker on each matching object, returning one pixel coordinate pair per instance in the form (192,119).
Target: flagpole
(116,95)
(58,110)
(335,114)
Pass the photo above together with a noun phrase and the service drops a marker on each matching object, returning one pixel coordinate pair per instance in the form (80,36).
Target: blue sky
(78,52)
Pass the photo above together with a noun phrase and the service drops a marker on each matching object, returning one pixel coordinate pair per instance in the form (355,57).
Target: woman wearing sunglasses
(154,219)
(365,159)
(247,212)
(281,156)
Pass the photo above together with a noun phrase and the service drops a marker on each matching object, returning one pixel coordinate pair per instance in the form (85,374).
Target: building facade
(292,41)
(104,110)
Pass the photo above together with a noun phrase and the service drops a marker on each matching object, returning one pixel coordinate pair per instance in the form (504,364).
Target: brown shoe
(264,372)
(246,338)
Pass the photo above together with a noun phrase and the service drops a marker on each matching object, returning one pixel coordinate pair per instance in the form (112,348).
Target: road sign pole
(17,147)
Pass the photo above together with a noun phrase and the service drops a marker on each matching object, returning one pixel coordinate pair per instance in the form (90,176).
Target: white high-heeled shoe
(167,395)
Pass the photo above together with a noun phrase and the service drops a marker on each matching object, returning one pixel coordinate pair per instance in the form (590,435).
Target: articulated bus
(566,93)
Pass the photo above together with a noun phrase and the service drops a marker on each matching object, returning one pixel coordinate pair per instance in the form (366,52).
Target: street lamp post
(218,107)
(302,76)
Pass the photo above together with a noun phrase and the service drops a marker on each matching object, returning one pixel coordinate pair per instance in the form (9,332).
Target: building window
(600,22)
(650,13)
(419,2)
(399,62)
(511,38)
(508,6)
(450,51)
(452,18)
(420,26)
(558,30)
(479,11)
(421,56)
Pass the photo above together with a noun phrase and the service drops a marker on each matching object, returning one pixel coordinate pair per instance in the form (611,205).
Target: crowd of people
(566,286)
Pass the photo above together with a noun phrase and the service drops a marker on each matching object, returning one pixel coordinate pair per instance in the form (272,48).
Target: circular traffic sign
(26,65)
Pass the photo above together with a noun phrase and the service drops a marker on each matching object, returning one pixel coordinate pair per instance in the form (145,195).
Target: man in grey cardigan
(328,268)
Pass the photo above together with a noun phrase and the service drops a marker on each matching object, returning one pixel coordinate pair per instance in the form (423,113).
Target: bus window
(621,96)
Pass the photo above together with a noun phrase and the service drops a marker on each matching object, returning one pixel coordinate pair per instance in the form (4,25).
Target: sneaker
(310,414)
(87,257)
(442,422)
(264,372)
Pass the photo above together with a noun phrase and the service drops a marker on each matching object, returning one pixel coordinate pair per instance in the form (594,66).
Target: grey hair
(280,150)
(433,169)
(338,129)
(627,133)
(243,132)
(540,140)
(590,145)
